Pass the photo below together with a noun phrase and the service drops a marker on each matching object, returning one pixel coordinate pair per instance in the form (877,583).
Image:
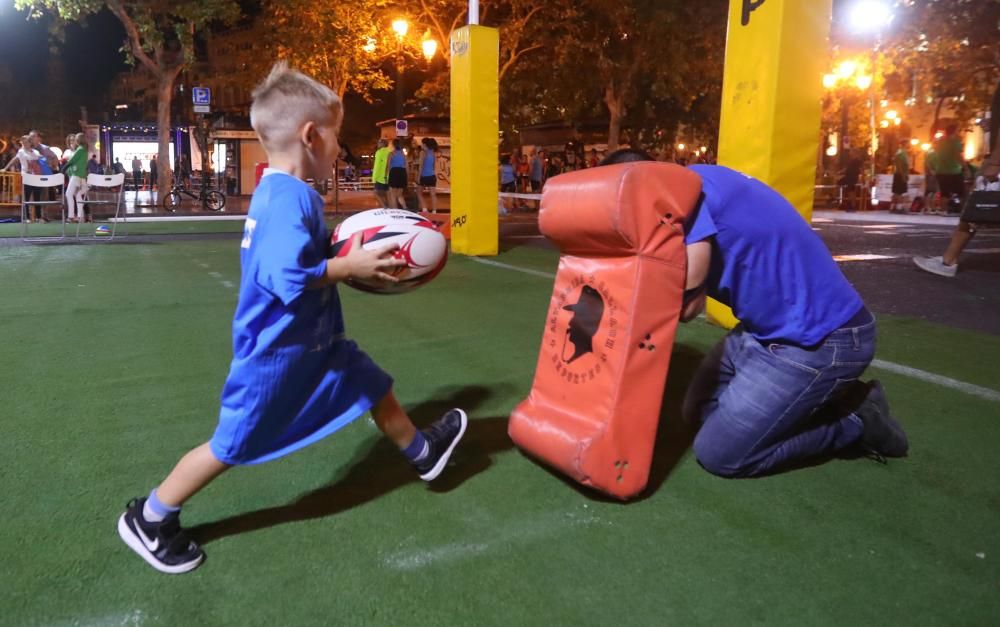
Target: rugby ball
(421,245)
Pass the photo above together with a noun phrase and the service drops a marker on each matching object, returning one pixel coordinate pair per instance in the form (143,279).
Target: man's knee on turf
(717,457)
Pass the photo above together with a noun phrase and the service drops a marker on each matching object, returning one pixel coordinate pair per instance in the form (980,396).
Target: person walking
(428,173)
(397,175)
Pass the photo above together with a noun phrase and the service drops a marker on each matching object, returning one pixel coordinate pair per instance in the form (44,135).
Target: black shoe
(883,436)
(442,436)
(163,544)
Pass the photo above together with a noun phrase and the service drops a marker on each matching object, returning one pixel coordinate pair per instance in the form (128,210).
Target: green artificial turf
(113,360)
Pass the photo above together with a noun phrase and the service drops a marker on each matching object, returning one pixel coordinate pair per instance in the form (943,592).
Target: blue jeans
(767,405)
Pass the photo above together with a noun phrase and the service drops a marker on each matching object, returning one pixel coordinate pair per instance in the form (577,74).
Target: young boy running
(294,378)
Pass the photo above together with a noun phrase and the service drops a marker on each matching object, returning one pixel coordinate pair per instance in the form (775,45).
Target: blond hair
(286,100)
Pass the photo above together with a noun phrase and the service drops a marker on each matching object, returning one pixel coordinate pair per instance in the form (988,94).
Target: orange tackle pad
(593,408)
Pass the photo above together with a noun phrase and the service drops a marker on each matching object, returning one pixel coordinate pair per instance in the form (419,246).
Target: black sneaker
(883,436)
(163,544)
(442,436)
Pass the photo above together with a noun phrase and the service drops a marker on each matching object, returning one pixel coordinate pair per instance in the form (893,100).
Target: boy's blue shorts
(287,398)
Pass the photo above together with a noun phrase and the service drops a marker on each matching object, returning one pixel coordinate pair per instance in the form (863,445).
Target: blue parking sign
(201,95)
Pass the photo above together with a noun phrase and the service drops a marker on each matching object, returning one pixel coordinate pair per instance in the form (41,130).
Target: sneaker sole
(134,543)
(432,474)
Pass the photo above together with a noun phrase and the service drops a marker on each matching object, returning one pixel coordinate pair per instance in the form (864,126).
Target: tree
(653,63)
(943,50)
(159,35)
(522,25)
(342,43)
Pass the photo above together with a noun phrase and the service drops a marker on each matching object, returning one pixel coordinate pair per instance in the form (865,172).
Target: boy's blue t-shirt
(427,165)
(767,263)
(294,378)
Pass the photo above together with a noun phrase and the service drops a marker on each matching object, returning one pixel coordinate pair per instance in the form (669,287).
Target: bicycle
(211,199)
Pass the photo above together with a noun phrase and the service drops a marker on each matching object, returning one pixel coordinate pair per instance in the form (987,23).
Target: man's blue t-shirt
(767,263)
(294,378)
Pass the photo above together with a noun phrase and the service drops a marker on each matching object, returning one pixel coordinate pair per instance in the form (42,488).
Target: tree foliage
(648,64)
(159,36)
(343,43)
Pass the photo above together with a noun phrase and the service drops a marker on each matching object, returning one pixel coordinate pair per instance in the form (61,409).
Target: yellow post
(771,91)
(475,131)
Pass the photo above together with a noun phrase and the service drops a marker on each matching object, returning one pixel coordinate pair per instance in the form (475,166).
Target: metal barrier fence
(10,189)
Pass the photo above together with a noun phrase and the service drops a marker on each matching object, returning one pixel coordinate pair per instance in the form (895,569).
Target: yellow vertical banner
(475,133)
(776,51)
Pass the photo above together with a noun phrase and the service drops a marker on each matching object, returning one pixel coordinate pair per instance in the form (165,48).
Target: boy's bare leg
(959,240)
(392,420)
(429,449)
(192,473)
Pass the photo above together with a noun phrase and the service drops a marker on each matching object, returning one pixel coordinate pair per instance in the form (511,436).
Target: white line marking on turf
(864,257)
(222,218)
(915,373)
(982,251)
(506,266)
(930,377)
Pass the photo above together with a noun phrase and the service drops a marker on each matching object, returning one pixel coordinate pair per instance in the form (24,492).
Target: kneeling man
(783,387)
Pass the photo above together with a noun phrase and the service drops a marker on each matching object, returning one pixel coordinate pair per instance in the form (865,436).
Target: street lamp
(868,16)
(400,26)
(871,16)
(430,47)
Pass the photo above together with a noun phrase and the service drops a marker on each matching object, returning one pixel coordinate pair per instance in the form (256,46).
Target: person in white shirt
(27,161)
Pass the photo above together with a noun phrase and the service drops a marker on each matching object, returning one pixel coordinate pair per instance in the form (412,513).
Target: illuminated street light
(680,146)
(891,114)
(925,146)
(863,81)
(430,47)
(846,69)
(400,26)
(369,46)
(829,81)
(868,16)
(914,141)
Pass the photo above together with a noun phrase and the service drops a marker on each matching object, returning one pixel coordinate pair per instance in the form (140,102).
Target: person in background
(93,166)
(137,172)
(153,174)
(28,161)
(380,172)
(397,175)
(428,173)
(851,180)
(76,170)
(950,162)
(947,264)
(508,179)
(900,178)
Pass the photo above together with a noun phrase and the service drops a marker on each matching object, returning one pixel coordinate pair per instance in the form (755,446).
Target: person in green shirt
(380,173)
(949,168)
(900,178)
(76,170)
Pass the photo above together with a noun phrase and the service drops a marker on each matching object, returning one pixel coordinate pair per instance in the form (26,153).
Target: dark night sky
(90,54)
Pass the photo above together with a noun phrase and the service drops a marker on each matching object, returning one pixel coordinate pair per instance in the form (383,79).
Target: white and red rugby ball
(421,245)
